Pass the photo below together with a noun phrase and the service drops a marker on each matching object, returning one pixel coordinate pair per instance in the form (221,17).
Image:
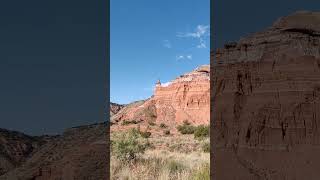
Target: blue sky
(153,40)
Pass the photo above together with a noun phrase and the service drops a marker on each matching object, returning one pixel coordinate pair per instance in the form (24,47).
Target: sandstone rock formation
(266,103)
(79,153)
(185,98)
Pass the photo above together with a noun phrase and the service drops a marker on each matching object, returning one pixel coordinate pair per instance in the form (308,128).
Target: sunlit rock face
(187,98)
(115,108)
(266,102)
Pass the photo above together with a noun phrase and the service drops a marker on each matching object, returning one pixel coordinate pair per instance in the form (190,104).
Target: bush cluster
(125,122)
(186,129)
(200,132)
(127,146)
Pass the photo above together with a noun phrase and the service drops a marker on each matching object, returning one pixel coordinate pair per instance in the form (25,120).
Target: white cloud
(179,57)
(200,32)
(202,44)
(182,57)
(167,44)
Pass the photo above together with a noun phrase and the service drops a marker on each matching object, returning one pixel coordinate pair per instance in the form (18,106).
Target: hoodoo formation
(266,103)
(185,98)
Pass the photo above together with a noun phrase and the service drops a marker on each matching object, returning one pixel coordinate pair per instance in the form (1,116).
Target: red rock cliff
(185,98)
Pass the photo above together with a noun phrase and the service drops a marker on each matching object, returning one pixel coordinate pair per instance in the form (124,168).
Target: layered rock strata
(266,103)
(184,99)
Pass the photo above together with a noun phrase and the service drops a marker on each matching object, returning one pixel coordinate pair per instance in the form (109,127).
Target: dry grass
(178,158)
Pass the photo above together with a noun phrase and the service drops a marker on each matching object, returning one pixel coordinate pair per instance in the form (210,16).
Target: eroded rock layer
(266,103)
(185,98)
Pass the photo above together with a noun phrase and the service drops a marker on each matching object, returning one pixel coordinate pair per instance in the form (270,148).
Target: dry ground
(169,157)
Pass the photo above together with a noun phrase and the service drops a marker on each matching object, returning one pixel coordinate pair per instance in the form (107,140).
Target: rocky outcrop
(291,36)
(115,108)
(266,103)
(185,98)
(16,147)
(79,153)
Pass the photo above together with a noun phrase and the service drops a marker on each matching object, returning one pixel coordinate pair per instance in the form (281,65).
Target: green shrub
(125,122)
(145,134)
(206,147)
(186,129)
(162,125)
(166,132)
(201,174)
(127,146)
(201,132)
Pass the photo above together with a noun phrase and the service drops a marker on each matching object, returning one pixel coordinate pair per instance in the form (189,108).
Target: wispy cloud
(182,57)
(200,32)
(179,57)
(167,44)
(189,56)
(202,44)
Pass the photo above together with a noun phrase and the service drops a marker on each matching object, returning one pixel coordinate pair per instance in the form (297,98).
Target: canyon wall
(184,99)
(266,103)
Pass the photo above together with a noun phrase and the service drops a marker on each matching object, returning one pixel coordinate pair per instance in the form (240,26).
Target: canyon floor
(171,157)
